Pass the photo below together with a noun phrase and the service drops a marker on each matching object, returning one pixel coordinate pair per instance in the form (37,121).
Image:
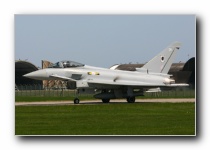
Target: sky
(102,40)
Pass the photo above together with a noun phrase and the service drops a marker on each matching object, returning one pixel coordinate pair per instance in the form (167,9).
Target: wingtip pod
(179,85)
(176,45)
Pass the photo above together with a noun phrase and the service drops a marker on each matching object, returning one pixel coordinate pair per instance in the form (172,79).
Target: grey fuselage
(99,78)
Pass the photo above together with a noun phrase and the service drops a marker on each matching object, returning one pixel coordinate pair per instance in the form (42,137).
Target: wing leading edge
(109,83)
(57,77)
(134,84)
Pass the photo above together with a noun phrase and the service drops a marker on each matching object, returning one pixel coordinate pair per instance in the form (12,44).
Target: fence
(38,90)
(184,93)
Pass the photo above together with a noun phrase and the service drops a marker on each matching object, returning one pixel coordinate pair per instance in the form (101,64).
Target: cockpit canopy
(66,64)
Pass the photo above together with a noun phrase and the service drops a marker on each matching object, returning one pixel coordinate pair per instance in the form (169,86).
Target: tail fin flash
(161,63)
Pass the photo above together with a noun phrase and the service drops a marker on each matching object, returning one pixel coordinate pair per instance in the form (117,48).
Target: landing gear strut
(76,100)
(131,99)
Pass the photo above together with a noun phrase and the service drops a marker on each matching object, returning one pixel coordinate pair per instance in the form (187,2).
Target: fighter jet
(111,83)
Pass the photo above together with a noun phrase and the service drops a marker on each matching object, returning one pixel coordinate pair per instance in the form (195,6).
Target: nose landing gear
(76,101)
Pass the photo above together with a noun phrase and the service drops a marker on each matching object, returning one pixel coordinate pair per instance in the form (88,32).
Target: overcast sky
(102,40)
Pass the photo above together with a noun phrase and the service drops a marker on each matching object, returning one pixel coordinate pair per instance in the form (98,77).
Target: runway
(99,102)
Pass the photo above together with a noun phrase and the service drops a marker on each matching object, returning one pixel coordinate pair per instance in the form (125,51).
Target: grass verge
(107,119)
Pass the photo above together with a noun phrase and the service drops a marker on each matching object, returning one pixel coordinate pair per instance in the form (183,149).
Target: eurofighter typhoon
(111,83)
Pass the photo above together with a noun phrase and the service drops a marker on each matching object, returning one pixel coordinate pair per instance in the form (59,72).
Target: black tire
(105,100)
(131,99)
(76,101)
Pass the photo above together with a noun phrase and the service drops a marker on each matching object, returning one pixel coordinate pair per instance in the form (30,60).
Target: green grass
(107,119)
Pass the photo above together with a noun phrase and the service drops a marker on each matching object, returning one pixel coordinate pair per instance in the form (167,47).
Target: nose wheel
(76,101)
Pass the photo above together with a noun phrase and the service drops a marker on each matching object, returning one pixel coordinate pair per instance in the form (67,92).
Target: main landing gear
(105,100)
(131,99)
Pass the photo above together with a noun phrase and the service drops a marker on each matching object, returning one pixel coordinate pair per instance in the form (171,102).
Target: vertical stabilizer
(161,63)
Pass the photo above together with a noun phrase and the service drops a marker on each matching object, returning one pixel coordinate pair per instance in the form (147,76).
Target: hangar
(21,68)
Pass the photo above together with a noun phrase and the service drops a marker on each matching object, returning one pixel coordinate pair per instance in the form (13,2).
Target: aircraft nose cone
(37,75)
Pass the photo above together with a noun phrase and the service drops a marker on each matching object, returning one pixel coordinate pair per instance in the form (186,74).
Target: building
(21,68)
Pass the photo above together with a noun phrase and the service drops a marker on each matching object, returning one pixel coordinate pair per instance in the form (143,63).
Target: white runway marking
(94,102)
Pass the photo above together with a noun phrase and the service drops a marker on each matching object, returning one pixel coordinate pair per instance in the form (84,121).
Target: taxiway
(98,102)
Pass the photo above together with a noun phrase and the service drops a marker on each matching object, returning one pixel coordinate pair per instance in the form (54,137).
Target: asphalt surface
(98,102)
